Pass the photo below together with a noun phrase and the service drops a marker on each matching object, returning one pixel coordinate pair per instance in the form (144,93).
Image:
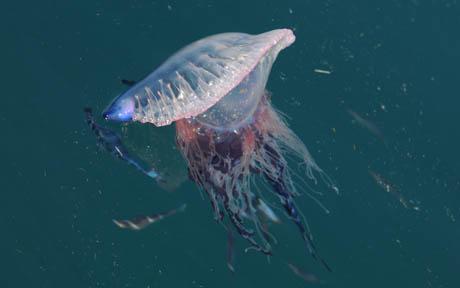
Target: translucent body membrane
(199,75)
(236,108)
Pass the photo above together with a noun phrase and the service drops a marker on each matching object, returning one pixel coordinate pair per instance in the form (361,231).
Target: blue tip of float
(121,109)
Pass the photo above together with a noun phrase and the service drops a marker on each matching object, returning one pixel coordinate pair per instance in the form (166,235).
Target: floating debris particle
(321,71)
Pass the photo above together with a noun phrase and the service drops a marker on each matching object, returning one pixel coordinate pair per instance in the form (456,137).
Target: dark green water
(394,63)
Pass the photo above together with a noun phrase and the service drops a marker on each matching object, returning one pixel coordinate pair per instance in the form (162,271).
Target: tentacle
(235,219)
(242,230)
(283,190)
(112,143)
(262,228)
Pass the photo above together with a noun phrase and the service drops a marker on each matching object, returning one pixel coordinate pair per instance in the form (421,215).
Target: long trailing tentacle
(197,165)
(282,187)
(112,143)
(242,230)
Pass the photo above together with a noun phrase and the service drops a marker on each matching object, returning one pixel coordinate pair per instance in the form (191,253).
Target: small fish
(267,211)
(367,125)
(230,250)
(140,222)
(449,213)
(305,276)
(111,142)
(390,188)
(387,186)
(128,82)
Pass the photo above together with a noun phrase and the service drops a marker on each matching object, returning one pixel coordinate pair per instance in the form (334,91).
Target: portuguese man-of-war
(111,142)
(227,129)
